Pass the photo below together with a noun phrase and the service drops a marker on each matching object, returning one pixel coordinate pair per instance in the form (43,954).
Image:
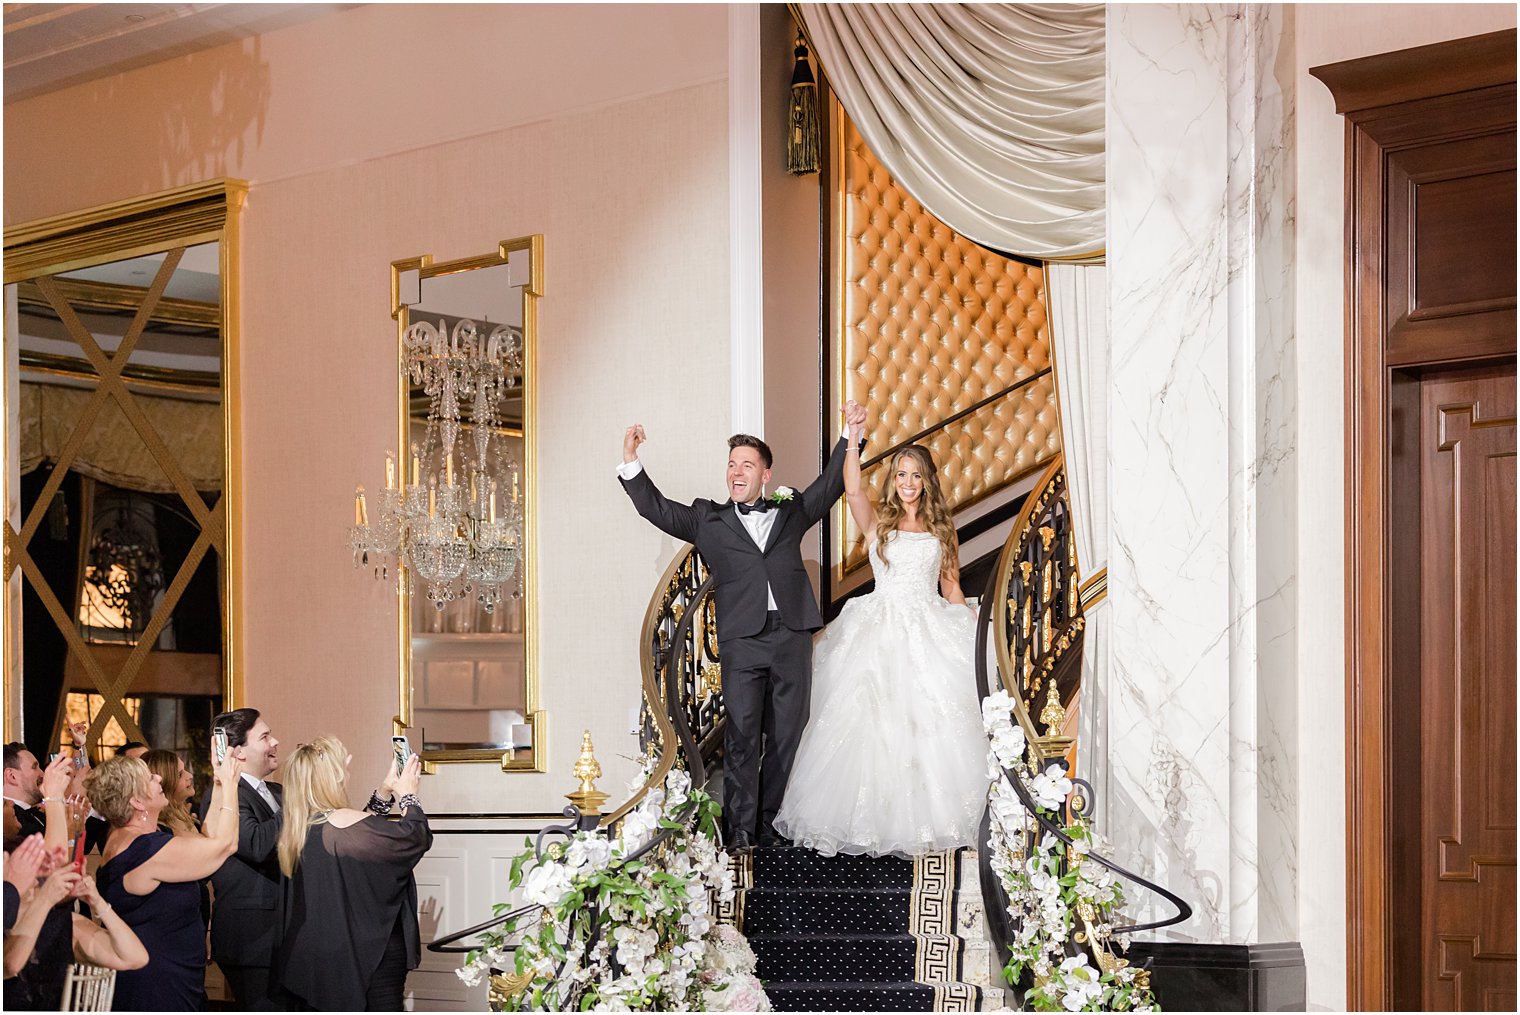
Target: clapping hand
(25,863)
(79,732)
(632,438)
(58,886)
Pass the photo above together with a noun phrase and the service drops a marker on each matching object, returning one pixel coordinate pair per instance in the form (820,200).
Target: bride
(893,759)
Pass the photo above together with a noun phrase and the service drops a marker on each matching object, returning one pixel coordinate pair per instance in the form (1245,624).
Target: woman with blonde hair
(893,759)
(150,876)
(351,935)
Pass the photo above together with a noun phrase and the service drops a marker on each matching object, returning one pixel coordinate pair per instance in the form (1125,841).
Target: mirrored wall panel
(466,350)
(116,542)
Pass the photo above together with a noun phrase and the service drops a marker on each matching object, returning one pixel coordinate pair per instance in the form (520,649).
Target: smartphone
(53,757)
(79,852)
(219,744)
(403,750)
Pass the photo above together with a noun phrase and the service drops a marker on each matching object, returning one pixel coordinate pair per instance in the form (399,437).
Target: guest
(132,749)
(150,876)
(47,937)
(353,934)
(35,796)
(249,912)
(22,867)
(179,789)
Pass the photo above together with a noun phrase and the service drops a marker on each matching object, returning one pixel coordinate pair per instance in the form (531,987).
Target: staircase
(855,933)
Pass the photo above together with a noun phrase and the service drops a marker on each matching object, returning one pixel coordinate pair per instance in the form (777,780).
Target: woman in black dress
(150,876)
(351,934)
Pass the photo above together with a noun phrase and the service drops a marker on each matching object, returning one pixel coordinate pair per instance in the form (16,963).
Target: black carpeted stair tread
(907,995)
(827,911)
(864,958)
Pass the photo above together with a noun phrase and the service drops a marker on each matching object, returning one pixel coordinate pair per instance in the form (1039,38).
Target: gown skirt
(894,758)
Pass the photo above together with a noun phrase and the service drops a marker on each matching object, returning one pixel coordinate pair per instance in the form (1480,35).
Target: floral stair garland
(619,934)
(1062,908)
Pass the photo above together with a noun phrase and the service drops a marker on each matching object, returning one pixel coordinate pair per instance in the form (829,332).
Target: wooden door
(1465,873)
(1430,524)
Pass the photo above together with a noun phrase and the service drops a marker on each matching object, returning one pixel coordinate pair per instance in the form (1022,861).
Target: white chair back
(88,988)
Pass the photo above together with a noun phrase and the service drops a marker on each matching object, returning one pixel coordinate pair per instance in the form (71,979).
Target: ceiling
(52,46)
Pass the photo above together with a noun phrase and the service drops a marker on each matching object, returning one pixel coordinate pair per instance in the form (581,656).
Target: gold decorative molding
(35,254)
(536,760)
(184,216)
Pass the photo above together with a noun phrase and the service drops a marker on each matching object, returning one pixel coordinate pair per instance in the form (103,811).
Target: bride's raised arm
(855,495)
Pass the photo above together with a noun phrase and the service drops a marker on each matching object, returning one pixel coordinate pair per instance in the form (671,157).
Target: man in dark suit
(249,913)
(766,612)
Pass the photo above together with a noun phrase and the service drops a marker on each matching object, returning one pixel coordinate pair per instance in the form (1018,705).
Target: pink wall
(385,132)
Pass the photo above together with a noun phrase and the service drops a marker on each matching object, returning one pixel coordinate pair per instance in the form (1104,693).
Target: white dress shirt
(263,791)
(757,523)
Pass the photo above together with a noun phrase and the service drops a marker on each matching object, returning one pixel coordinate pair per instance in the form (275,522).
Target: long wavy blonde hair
(314,787)
(932,509)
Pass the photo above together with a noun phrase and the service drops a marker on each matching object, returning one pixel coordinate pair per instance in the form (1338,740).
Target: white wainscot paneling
(461,877)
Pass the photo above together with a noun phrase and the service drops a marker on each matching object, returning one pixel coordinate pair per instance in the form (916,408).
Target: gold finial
(587,770)
(1026,567)
(1053,715)
(1047,534)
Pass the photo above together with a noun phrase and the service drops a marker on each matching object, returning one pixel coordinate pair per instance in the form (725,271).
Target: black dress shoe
(742,840)
(771,839)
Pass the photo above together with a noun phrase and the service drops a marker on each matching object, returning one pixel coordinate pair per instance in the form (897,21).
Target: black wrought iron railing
(1032,620)
(681,725)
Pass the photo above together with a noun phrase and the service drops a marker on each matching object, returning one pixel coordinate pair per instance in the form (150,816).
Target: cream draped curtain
(1078,303)
(991,115)
(113,452)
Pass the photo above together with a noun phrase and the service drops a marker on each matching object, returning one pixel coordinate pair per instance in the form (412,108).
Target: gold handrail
(654,697)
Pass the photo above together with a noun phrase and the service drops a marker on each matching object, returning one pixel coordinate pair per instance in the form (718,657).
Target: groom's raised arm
(827,488)
(678,520)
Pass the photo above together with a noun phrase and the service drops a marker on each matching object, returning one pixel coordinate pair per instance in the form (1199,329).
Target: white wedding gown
(893,759)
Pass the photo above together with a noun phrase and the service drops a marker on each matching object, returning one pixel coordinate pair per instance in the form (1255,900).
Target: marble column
(1198,788)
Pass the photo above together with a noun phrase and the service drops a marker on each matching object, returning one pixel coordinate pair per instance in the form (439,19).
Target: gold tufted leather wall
(925,325)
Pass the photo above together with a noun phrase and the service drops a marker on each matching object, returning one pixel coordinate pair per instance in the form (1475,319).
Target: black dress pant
(249,986)
(767,686)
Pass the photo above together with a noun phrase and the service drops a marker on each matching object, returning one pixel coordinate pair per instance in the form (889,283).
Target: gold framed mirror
(467,340)
(121,539)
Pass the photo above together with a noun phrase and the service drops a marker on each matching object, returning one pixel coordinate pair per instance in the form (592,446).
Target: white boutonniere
(782,495)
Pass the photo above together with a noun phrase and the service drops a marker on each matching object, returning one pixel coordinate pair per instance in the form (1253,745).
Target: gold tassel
(802,120)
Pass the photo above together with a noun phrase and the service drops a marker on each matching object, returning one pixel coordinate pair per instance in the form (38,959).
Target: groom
(766,611)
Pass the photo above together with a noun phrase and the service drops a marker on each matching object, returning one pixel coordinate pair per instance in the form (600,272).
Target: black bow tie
(762,505)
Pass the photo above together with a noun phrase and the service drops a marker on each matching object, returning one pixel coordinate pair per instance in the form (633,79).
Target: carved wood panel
(1467,691)
(1430,281)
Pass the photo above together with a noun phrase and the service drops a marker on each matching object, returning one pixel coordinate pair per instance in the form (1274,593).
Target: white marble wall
(1199,789)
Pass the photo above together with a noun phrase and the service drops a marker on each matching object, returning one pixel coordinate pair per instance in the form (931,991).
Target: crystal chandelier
(454,520)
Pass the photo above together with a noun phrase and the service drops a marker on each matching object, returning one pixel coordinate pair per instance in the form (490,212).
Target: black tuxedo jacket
(741,569)
(248,920)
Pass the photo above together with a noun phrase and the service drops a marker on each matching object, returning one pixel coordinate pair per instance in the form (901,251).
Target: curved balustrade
(1031,617)
(681,723)
(1031,622)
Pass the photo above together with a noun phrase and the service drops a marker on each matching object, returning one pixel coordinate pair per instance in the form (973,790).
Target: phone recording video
(219,744)
(403,750)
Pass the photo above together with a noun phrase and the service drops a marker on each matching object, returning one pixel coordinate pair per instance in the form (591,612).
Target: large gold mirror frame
(59,266)
(407,278)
